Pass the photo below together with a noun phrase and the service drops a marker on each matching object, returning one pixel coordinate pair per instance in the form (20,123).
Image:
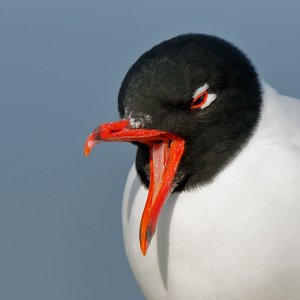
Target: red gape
(166,150)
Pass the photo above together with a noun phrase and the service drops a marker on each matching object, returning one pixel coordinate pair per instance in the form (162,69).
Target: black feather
(161,84)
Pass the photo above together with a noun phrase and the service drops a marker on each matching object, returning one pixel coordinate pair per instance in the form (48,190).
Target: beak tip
(145,240)
(144,249)
(86,151)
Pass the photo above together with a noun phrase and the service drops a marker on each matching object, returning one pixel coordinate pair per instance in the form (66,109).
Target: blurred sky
(61,65)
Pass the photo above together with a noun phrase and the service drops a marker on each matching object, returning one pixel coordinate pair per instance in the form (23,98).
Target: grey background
(61,65)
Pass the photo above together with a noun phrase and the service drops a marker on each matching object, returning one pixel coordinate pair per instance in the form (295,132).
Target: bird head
(189,104)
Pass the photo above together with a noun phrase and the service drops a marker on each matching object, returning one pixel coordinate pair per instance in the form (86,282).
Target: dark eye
(199,100)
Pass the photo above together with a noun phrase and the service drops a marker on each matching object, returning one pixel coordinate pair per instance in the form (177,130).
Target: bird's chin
(165,152)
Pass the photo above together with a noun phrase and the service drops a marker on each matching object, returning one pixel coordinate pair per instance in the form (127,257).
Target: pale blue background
(61,65)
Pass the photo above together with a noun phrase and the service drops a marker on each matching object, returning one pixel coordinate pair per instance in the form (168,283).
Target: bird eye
(199,100)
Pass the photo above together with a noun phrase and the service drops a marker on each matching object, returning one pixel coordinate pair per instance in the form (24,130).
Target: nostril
(115,127)
(115,130)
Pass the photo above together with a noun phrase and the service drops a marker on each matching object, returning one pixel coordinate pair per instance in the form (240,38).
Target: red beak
(166,150)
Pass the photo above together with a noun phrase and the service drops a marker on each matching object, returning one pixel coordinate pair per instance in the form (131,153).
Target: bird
(211,206)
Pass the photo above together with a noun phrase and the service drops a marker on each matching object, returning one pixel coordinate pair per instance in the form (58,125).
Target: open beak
(166,150)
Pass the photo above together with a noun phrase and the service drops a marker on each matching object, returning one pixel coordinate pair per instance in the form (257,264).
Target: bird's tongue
(159,153)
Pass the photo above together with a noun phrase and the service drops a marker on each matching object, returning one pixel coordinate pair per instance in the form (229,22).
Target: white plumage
(237,238)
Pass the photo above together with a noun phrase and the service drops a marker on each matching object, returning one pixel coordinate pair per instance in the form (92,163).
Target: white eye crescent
(201,97)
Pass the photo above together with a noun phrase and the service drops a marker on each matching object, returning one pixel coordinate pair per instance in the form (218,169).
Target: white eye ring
(210,97)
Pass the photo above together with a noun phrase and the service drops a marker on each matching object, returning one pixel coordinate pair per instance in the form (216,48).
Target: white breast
(236,238)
